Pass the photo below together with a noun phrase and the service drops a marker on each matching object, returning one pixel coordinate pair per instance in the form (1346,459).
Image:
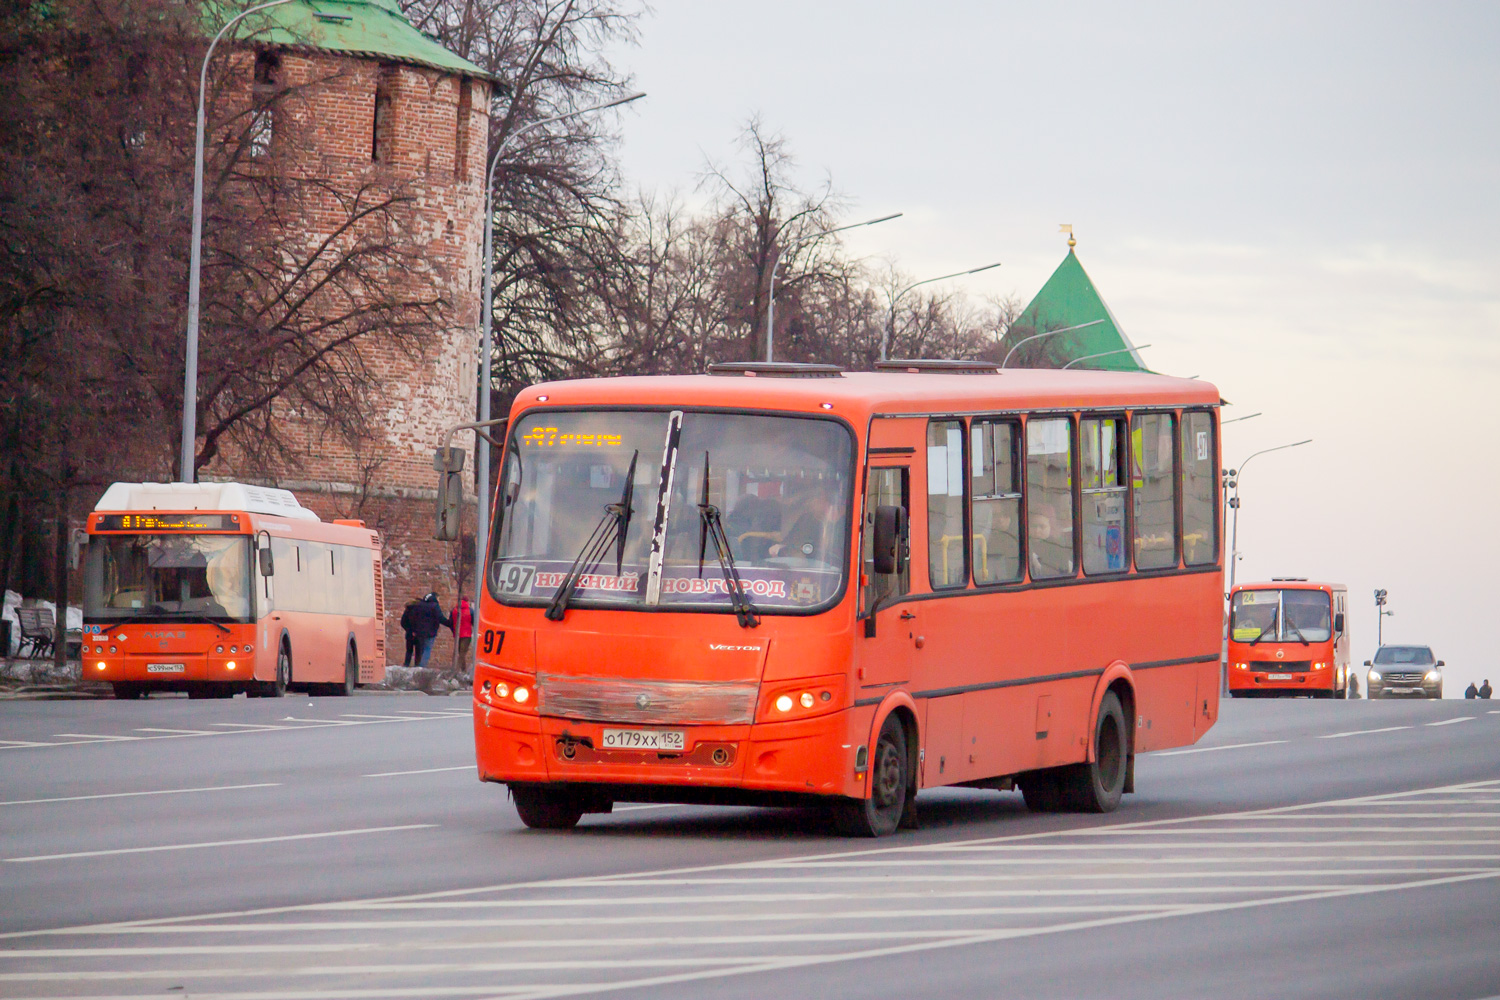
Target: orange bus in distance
(789,584)
(218,588)
(1288,637)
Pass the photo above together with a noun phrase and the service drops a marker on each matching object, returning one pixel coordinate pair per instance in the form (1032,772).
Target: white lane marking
(97,736)
(1449,722)
(179,732)
(425,770)
(1361,732)
(382,718)
(1228,859)
(223,843)
(126,795)
(171,924)
(1231,746)
(22,743)
(649,805)
(253,726)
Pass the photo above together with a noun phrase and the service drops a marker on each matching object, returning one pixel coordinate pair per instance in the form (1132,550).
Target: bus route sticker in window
(516,579)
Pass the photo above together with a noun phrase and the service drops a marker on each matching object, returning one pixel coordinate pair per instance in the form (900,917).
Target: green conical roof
(375,29)
(1069,299)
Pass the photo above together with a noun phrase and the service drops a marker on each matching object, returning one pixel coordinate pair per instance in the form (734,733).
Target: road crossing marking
(425,770)
(238,728)
(98,737)
(1449,722)
(223,843)
(179,732)
(522,941)
(126,795)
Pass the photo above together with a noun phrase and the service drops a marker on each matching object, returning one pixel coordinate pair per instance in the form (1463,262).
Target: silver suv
(1405,671)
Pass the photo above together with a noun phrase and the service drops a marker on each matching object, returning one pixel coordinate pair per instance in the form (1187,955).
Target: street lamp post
(1234,483)
(1046,333)
(890,330)
(1104,354)
(186,473)
(776,262)
(481,446)
(1381,614)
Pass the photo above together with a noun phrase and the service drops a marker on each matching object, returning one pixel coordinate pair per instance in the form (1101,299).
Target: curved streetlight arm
(1104,354)
(890,330)
(486,343)
(776,262)
(187,473)
(1266,451)
(1235,420)
(1048,333)
(1234,477)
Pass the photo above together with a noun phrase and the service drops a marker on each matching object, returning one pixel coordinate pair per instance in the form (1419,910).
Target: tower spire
(1067,227)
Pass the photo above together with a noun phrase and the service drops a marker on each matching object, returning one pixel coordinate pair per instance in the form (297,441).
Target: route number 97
(493,640)
(515,579)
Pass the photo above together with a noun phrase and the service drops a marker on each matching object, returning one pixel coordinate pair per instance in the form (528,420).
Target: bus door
(890,635)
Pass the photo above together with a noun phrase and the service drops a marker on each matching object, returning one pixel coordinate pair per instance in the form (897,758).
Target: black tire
(277,688)
(546,808)
(1342,694)
(1096,786)
(1041,790)
(890,787)
(127,692)
(351,673)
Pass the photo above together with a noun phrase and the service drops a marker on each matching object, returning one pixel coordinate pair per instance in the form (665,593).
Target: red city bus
(217,588)
(788,584)
(1287,637)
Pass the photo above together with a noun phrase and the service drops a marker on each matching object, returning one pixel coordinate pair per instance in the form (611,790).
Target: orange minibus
(791,584)
(217,588)
(1288,637)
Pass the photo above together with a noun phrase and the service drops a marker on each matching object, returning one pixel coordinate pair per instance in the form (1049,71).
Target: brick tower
(379,106)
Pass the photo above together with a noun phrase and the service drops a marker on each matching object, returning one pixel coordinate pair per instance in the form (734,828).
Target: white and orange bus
(1287,637)
(217,588)
(790,584)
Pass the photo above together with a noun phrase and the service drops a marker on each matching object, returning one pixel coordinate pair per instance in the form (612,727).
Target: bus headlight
(521,695)
(784,703)
(101,665)
(229,664)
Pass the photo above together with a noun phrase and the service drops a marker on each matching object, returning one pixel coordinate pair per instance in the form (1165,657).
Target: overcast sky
(1297,202)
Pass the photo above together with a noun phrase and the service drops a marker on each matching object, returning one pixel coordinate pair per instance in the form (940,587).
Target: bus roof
(203,496)
(1288,584)
(864,393)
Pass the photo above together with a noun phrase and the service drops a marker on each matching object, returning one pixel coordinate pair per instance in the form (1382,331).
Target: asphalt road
(341,848)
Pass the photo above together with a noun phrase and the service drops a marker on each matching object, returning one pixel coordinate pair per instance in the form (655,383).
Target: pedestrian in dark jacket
(426,618)
(1471,691)
(407,620)
(1485,690)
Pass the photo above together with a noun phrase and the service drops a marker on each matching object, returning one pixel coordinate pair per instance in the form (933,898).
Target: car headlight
(1374,677)
(1433,676)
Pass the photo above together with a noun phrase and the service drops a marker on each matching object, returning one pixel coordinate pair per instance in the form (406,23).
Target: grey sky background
(1296,202)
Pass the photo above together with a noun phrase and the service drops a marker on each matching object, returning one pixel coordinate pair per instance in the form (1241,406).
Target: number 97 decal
(515,579)
(493,640)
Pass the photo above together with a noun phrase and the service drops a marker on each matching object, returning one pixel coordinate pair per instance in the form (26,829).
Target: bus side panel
(318,644)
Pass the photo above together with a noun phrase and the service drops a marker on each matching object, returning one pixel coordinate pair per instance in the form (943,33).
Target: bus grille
(616,699)
(1286,667)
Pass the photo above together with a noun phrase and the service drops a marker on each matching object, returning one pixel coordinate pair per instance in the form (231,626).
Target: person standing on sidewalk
(461,622)
(426,618)
(408,620)
(1485,690)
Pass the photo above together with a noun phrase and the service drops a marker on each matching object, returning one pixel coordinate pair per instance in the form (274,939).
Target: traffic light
(1380,598)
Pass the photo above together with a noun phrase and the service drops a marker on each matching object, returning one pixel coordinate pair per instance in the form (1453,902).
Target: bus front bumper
(1262,676)
(164,669)
(814,756)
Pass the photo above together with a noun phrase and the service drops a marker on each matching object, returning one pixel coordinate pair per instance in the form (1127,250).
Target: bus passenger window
(1199,476)
(995,510)
(1155,481)
(886,488)
(945,504)
(1049,498)
(1103,495)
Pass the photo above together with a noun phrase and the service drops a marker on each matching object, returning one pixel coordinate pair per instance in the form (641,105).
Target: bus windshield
(781,486)
(176,576)
(1281,616)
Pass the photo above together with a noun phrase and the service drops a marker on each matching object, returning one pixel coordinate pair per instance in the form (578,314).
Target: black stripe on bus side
(1041,679)
(902,450)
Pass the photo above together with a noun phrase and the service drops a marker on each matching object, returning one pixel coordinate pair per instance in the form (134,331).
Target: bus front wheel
(277,688)
(890,781)
(546,808)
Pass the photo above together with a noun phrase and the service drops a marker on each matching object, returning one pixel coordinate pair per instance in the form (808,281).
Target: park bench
(37,631)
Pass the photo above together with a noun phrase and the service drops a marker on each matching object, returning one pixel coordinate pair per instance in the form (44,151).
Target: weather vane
(1067,227)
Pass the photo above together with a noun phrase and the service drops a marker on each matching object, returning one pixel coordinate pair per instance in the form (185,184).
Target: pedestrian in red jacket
(461,621)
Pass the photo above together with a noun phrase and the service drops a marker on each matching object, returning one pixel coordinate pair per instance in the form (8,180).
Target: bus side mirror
(1338,622)
(449,463)
(76,543)
(890,540)
(267,561)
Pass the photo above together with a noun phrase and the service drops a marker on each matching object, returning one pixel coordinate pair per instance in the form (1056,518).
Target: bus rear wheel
(890,788)
(127,692)
(546,808)
(1096,785)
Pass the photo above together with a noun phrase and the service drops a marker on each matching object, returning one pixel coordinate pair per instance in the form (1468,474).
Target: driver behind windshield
(811,515)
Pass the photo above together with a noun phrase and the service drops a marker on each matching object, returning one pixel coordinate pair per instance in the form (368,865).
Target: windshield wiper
(611,528)
(710,525)
(159,609)
(1297,630)
(1263,632)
